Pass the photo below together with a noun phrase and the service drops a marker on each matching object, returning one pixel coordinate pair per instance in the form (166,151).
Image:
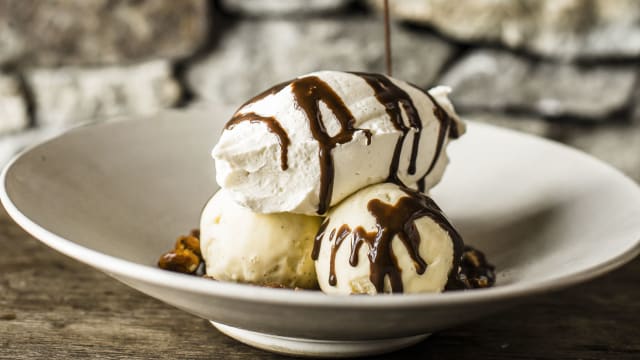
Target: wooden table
(52,307)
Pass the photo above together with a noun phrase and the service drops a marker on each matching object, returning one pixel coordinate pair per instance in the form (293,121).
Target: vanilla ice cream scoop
(385,239)
(263,249)
(304,145)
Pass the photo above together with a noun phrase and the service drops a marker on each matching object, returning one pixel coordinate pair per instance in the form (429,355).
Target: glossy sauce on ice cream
(469,268)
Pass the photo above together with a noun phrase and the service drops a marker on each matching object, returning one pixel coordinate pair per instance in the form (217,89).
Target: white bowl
(116,195)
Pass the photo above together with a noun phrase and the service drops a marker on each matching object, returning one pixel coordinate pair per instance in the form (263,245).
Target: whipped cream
(305,145)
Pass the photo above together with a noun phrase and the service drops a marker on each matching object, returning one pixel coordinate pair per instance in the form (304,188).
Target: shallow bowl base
(317,348)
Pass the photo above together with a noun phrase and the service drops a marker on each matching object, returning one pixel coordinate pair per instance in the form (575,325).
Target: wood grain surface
(52,307)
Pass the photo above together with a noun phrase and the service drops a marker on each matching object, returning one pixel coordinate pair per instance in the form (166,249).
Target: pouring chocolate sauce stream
(387,38)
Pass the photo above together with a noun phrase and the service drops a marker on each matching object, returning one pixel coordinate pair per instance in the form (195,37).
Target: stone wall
(564,69)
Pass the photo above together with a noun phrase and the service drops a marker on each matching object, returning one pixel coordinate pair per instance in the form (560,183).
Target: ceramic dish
(116,195)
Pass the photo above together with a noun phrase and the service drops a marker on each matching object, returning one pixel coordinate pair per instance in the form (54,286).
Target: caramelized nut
(474,271)
(188,243)
(472,257)
(185,257)
(182,261)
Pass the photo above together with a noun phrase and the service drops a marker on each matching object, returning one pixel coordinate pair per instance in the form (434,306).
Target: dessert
(386,238)
(324,182)
(304,145)
(263,249)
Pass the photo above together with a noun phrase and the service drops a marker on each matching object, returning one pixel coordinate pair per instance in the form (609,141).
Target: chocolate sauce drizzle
(391,221)
(270,91)
(342,234)
(315,252)
(309,92)
(447,126)
(394,100)
(273,126)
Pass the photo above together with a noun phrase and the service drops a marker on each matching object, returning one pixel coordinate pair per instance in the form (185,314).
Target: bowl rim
(118,267)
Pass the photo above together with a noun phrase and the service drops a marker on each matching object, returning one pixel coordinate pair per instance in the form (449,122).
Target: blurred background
(563,69)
